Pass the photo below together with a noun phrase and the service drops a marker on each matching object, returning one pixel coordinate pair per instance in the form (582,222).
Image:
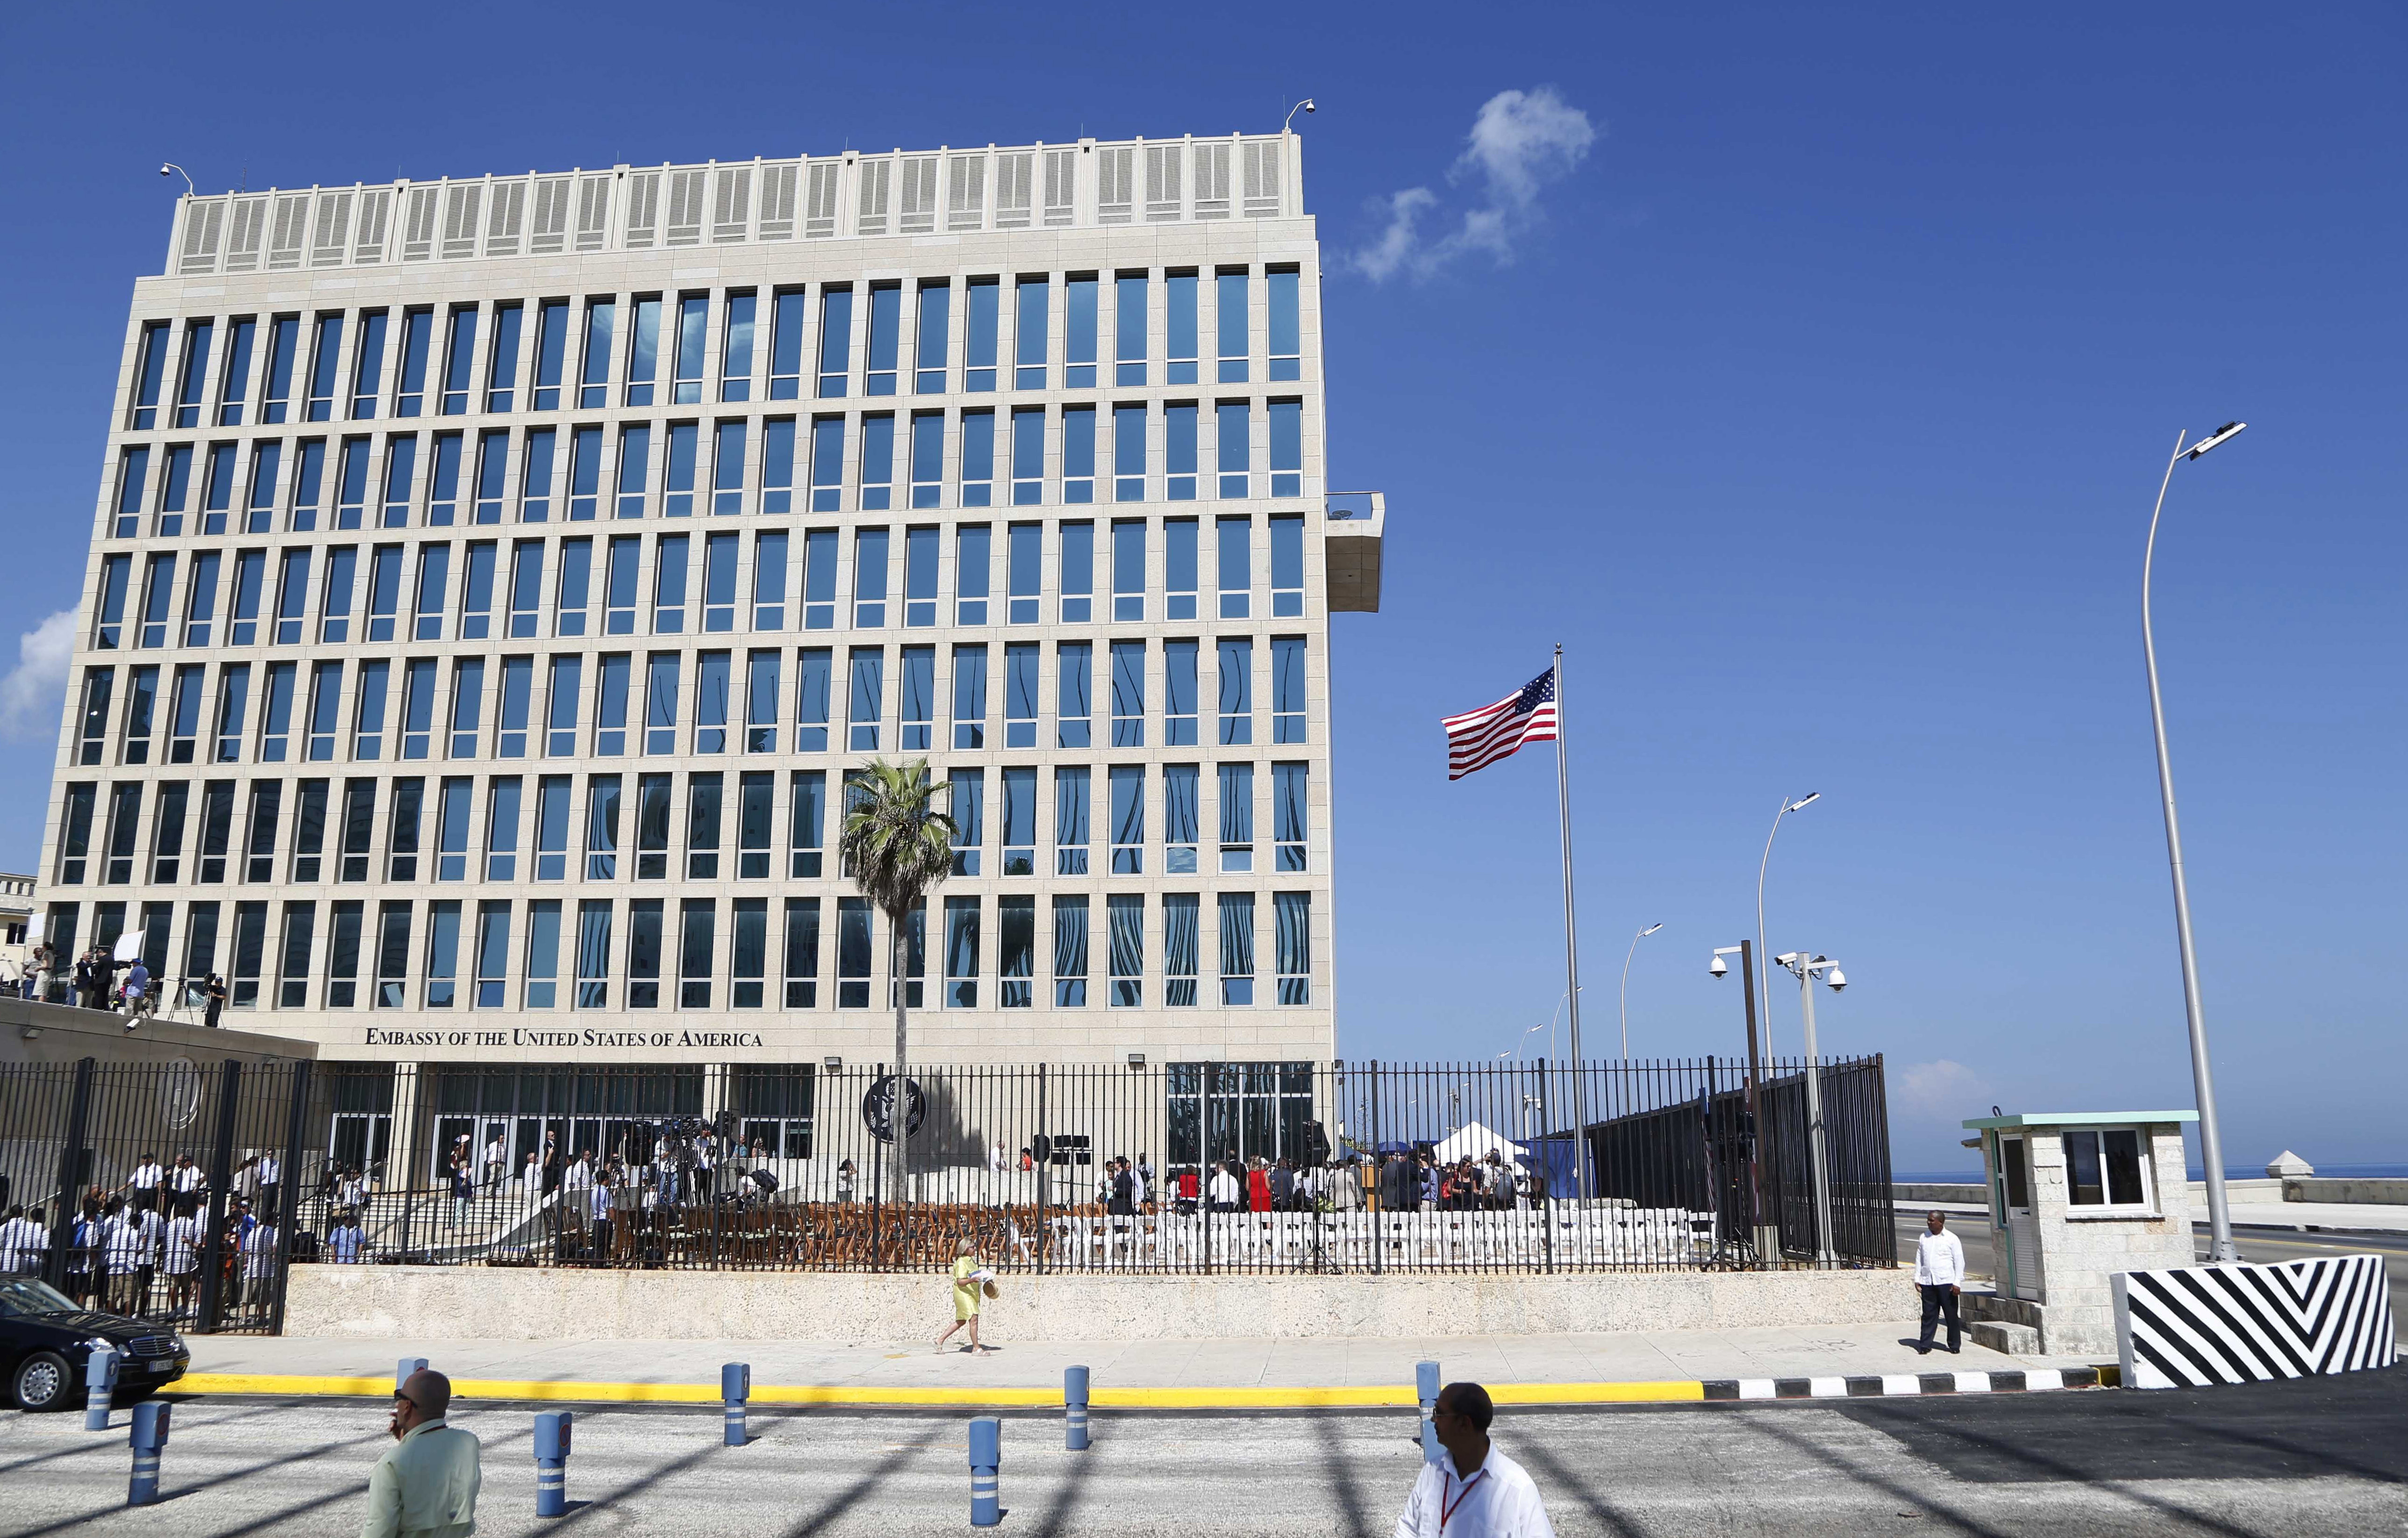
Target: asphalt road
(2325,1456)
(2255,1246)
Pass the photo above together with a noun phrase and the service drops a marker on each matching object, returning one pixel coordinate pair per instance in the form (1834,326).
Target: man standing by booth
(1940,1274)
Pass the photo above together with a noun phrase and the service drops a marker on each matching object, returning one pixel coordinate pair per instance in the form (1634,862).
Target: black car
(45,1341)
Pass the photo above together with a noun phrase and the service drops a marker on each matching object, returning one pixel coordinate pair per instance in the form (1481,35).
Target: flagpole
(1572,944)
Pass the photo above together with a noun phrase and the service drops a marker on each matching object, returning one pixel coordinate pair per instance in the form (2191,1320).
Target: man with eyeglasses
(1473,1492)
(427,1485)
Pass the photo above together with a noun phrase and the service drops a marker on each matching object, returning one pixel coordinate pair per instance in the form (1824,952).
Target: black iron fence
(1189,1168)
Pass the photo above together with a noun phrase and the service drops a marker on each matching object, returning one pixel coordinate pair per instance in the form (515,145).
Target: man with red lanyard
(1474,1491)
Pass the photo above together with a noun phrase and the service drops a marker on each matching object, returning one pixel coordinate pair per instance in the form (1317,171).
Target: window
(719,584)
(1072,794)
(869,578)
(1128,453)
(434,573)
(594,953)
(601,828)
(325,359)
(660,704)
(1180,949)
(1078,453)
(644,954)
(819,579)
(703,794)
(788,310)
(978,461)
(518,687)
(1128,329)
(358,833)
(966,802)
(192,381)
(418,708)
(928,349)
(477,592)
(543,955)
(643,351)
(835,341)
(878,461)
(635,472)
(1180,332)
(527,588)
(175,491)
(124,819)
(1287,689)
(502,828)
(866,698)
(777,465)
(133,469)
(276,717)
(99,686)
(1288,448)
(235,384)
(1078,332)
(443,480)
(806,815)
(1128,819)
(762,695)
(1287,566)
(669,585)
(201,599)
(167,833)
(149,368)
(1020,821)
(918,689)
(852,953)
(1028,455)
(250,948)
(677,494)
(961,953)
(217,496)
(1236,692)
(693,313)
(1019,694)
(885,320)
(367,714)
(417,328)
(802,952)
(283,342)
(748,953)
(259,850)
(928,459)
(1070,952)
(1179,694)
(1236,818)
(1028,331)
(710,699)
(1128,570)
(1237,949)
(1235,452)
(401,833)
(502,369)
(75,834)
(1292,914)
(550,350)
(141,706)
(651,827)
(326,709)
(1229,309)
(535,476)
(1128,694)
(618,594)
(985,304)
(827,464)
(1234,538)
(610,705)
(1078,572)
(2106,1169)
(1027,573)
(493,472)
(813,682)
(292,982)
(755,811)
(459,360)
(367,366)
(158,598)
(576,587)
(184,713)
(1075,670)
(1285,330)
(1015,951)
(1290,817)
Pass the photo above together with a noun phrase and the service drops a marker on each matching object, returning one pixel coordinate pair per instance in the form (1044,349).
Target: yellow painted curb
(1369,1396)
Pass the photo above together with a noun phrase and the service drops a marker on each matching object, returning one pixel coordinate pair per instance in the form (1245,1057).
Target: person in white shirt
(495,1163)
(145,1182)
(1473,1490)
(1222,1192)
(427,1485)
(186,1178)
(128,1245)
(1940,1274)
(22,1243)
(259,1266)
(180,1256)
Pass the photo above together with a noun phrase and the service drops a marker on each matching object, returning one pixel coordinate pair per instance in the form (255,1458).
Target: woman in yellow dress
(968,1274)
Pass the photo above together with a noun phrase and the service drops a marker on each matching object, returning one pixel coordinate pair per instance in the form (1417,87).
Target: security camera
(167,170)
(1308,107)
(1838,980)
(1717,970)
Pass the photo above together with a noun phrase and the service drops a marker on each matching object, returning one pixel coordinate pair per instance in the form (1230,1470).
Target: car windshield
(21,1296)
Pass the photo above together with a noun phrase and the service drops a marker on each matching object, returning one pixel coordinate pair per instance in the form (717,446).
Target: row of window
(657,953)
(306,717)
(1054,457)
(575,586)
(682,349)
(529,826)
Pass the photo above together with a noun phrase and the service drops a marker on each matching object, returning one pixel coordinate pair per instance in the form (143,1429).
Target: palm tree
(897,845)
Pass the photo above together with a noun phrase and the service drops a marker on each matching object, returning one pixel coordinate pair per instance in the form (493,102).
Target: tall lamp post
(1625,985)
(1803,968)
(1763,979)
(1766,1234)
(2210,1141)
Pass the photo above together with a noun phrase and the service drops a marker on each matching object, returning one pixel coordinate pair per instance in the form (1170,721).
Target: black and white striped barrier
(2204,1325)
(2030,1380)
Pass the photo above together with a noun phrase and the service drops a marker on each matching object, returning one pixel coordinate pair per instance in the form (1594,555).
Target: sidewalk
(1230,1374)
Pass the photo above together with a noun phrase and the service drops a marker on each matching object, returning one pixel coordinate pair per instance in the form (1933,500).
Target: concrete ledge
(858,1308)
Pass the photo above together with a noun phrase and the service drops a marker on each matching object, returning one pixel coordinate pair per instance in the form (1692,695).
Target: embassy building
(494,583)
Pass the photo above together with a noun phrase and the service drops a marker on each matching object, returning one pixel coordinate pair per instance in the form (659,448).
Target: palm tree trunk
(902,1103)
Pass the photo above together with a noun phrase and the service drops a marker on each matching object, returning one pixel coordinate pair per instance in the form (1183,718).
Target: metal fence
(1186,1168)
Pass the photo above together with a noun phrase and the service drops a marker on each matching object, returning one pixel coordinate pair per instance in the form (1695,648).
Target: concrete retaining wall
(433,1303)
(2373,1190)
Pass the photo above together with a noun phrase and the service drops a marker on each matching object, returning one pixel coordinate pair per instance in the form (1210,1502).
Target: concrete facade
(369,940)
(506,1304)
(2068,1307)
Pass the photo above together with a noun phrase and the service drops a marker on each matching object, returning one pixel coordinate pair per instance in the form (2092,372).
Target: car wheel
(42,1382)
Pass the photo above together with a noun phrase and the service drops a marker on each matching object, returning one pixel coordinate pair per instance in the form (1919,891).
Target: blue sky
(1807,372)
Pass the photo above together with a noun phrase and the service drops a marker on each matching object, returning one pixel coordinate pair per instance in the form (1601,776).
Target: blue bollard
(735,1387)
(404,1368)
(986,1464)
(1426,1387)
(149,1439)
(551,1430)
(1074,1409)
(99,1384)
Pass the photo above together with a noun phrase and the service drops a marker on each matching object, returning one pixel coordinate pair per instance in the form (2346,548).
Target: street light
(2210,1141)
(1804,968)
(1763,982)
(1767,1236)
(1625,985)
(1304,107)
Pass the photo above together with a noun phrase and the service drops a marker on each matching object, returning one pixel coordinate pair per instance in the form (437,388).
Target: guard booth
(2075,1198)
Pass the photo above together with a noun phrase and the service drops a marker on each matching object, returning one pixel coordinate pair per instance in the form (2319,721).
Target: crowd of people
(98,980)
(139,1249)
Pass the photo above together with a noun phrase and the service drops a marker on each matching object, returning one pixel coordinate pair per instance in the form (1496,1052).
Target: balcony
(1352,524)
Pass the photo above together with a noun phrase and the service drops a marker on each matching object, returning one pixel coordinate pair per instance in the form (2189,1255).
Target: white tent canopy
(1473,1140)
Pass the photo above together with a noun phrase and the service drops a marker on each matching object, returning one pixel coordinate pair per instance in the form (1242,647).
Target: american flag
(1478,739)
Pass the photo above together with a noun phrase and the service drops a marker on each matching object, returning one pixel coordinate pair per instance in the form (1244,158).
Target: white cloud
(1941,1091)
(30,692)
(1521,142)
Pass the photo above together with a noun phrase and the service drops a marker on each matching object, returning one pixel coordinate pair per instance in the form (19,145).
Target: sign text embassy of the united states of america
(520,1036)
